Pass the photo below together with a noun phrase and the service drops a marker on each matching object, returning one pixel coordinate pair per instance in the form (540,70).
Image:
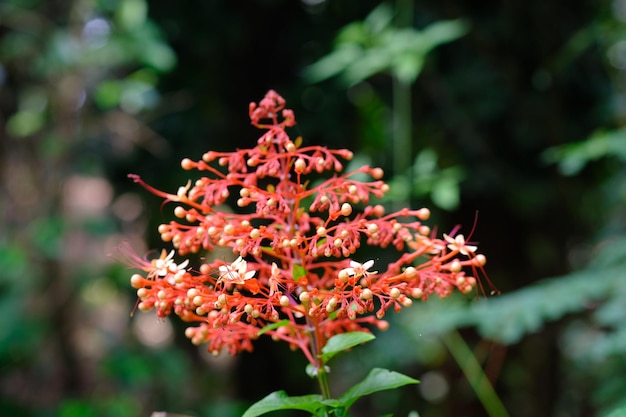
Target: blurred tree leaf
(441,185)
(131,13)
(25,123)
(572,157)
(510,317)
(363,49)
(621,412)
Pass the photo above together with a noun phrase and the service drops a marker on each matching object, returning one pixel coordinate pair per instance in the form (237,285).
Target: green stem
(402,108)
(320,366)
(322,379)
(402,132)
(474,374)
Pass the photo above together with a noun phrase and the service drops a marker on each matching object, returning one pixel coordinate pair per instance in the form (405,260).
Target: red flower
(298,282)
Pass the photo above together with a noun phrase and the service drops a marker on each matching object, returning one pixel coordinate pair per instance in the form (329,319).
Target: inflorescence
(295,236)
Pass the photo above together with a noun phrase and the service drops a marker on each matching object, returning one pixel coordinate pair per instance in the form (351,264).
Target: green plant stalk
(402,132)
(322,379)
(321,374)
(474,374)
(402,108)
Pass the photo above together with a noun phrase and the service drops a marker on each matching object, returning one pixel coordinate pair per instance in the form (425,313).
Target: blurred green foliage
(515,110)
(375,45)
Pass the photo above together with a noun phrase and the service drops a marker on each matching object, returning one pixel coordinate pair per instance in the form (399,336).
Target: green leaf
(379,19)
(446,193)
(620,412)
(372,61)
(161,57)
(273,326)
(279,400)
(332,64)
(509,317)
(131,13)
(25,123)
(377,380)
(444,31)
(109,93)
(344,341)
(298,272)
(573,157)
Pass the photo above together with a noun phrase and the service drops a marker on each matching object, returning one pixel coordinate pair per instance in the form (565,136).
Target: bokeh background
(504,115)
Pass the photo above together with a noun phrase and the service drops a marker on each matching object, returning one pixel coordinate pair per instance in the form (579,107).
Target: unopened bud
(423,214)
(143,306)
(136,281)
(300,165)
(382,325)
(186,164)
(366,294)
(343,276)
(180,212)
(417,293)
(377,173)
(479,260)
(410,272)
(304,297)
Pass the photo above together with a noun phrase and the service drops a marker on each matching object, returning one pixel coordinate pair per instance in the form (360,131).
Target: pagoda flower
(458,244)
(296,277)
(235,273)
(165,265)
(356,270)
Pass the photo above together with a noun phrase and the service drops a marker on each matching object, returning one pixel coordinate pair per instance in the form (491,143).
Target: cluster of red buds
(295,233)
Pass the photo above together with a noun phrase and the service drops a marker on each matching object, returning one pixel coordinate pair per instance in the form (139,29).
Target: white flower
(358,270)
(458,244)
(273,280)
(235,273)
(165,265)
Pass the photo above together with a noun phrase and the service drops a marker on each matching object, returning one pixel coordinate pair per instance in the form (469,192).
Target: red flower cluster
(295,235)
